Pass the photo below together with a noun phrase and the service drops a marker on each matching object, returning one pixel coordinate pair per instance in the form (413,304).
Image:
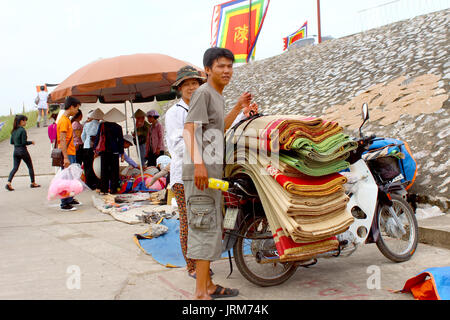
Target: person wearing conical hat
(109,145)
(188,80)
(155,139)
(142,128)
(88,135)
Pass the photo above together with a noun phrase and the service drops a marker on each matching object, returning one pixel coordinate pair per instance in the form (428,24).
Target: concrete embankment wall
(401,70)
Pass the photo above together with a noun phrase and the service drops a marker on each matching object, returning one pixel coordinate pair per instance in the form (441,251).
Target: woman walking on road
(19,140)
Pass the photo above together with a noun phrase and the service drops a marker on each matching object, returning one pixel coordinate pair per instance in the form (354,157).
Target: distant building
(302,43)
(308,42)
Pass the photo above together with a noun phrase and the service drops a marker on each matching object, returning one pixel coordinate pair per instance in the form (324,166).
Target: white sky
(46,41)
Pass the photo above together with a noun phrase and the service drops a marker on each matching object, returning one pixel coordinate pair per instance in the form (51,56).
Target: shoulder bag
(57,155)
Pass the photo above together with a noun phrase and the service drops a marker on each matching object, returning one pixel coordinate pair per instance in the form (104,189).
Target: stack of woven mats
(301,191)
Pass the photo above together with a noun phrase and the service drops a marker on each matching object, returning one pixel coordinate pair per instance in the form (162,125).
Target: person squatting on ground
(142,128)
(77,131)
(188,80)
(128,142)
(19,140)
(203,135)
(110,151)
(88,135)
(155,139)
(65,136)
(42,105)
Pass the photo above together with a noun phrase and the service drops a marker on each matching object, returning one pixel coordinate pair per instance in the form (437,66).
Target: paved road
(43,249)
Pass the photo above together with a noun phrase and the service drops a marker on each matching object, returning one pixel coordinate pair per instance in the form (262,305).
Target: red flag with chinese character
(235,29)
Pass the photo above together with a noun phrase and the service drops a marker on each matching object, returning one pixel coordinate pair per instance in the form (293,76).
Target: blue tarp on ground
(437,287)
(166,249)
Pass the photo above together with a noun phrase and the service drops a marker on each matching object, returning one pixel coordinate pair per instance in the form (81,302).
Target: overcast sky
(46,41)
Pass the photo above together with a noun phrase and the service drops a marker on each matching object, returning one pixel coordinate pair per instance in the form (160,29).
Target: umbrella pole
(137,143)
(126,124)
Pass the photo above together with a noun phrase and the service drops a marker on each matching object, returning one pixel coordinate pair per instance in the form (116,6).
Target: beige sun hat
(114,115)
(96,114)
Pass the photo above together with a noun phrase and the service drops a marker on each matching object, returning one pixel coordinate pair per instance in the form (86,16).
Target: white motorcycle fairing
(363,192)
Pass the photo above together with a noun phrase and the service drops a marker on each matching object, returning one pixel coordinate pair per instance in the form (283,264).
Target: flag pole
(318,19)
(249,29)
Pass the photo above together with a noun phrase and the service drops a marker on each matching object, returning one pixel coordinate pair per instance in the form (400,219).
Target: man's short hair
(42,88)
(212,54)
(71,101)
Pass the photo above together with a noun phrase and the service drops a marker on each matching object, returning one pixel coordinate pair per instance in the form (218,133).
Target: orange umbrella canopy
(129,77)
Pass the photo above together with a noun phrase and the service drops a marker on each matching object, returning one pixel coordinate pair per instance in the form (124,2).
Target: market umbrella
(137,78)
(134,78)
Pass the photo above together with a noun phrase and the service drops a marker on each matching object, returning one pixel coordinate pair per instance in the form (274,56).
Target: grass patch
(5,133)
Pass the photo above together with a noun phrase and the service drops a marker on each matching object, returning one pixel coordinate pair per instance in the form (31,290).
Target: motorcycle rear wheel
(388,241)
(263,275)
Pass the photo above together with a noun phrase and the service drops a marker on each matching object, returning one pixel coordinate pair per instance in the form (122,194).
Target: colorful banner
(234,28)
(297,35)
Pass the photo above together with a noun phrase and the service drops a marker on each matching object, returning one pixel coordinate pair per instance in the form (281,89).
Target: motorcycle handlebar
(366,140)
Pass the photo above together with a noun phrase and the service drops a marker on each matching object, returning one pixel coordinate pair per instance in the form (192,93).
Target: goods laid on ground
(131,179)
(135,208)
(294,162)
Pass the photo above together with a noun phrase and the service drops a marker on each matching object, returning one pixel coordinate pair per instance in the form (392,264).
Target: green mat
(314,168)
(329,146)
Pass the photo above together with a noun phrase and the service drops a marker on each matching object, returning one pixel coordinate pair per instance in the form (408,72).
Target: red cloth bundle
(289,250)
(309,186)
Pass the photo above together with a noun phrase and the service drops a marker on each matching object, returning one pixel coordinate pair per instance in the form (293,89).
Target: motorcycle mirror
(365,117)
(365,112)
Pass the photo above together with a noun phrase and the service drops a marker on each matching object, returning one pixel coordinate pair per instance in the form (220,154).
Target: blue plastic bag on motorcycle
(390,158)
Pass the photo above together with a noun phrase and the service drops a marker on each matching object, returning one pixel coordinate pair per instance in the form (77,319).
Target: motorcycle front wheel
(256,256)
(399,232)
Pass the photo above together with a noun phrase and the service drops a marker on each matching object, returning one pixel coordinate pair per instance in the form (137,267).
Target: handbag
(101,141)
(36,100)
(57,155)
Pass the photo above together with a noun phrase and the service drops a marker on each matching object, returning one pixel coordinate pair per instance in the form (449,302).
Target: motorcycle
(382,216)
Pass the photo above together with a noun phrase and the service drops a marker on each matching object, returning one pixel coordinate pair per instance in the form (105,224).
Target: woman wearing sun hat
(188,80)
(113,148)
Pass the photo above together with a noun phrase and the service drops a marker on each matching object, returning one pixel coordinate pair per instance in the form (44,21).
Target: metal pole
(126,124)
(318,19)
(137,142)
(249,29)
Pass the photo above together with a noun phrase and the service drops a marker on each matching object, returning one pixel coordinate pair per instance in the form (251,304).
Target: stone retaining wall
(402,70)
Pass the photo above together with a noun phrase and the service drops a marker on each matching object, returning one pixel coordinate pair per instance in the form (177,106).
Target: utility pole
(318,19)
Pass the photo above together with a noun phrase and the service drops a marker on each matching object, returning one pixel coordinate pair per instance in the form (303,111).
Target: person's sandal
(222,292)
(35,185)
(9,188)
